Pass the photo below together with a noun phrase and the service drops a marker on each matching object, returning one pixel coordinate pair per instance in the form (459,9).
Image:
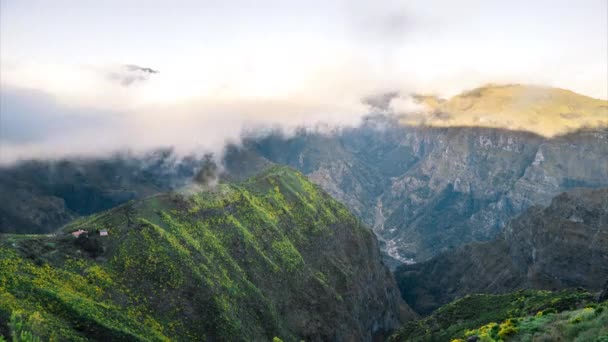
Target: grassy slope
(582,325)
(212,264)
(516,315)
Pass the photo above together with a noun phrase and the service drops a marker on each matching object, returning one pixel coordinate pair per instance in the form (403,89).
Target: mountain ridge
(271,256)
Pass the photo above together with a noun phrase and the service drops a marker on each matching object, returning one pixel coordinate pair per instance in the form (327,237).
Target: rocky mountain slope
(273,256)
(563,245)
(423,189)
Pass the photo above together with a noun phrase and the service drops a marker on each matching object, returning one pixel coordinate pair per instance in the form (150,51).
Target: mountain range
(563,245)
(416,223)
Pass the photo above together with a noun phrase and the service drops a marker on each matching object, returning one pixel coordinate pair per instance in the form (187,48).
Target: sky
(72,77)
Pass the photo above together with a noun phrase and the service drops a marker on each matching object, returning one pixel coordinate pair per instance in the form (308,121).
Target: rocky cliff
(426,190)
(563,245)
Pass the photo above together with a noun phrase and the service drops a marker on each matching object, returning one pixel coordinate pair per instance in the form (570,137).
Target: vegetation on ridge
(514,316)
(239,261)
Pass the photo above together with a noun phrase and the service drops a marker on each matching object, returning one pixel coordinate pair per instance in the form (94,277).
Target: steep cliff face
(560,246)
(270,256)
(425,190)
(422,190)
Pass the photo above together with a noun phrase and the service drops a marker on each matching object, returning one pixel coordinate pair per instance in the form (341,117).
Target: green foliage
(492,317)
(587,324)
(48,302)
(23,330)
(507,328)
(221,264)
(288,254)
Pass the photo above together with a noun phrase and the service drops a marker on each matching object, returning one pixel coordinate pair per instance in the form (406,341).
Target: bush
(507,331)
(507,328)
(91,245)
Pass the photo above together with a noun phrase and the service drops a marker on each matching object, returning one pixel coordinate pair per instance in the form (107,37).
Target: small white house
(78,232)
(103,232)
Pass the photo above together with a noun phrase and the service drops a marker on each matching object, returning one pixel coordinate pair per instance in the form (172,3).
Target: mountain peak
(539,109)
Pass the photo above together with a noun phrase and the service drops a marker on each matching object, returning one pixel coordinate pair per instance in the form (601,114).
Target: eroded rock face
(564,244)
(426,190)
(423,190)
(559,246)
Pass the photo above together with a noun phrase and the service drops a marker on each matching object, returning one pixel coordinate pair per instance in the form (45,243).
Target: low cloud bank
(122,112)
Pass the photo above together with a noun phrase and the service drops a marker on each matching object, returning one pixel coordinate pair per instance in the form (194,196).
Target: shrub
(507,331)
(575,320)
(507,328)
(91,245)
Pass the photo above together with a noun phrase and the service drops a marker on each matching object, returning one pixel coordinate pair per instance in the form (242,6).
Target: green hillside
(569,315)
(271,256)
(581,325)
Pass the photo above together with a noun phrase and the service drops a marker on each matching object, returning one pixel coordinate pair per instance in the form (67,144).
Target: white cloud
(229,65)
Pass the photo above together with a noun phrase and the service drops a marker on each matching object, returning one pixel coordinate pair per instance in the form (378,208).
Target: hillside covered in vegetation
(273,256)
(569,315)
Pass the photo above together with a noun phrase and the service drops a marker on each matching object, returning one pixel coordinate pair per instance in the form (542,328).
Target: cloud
(381,102)
(61,110)
(394,102)
(103,116)
(128,74)
(405,104)
(232,66)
